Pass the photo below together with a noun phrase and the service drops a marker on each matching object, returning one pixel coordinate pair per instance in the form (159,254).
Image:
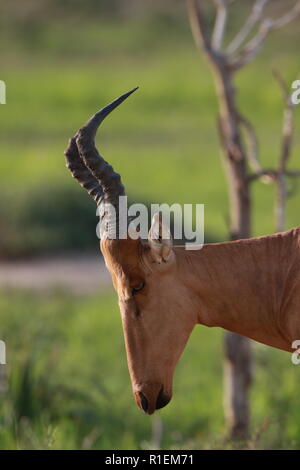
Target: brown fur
(250,287)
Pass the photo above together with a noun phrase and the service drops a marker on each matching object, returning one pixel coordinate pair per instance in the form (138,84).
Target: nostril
(162,399)
(144,402)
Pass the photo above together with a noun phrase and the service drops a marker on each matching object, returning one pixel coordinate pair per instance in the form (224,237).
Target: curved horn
(88,167)
(109,180)
(81,172)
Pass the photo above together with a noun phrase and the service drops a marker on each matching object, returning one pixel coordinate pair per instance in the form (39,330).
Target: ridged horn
(81,172)
(88,167)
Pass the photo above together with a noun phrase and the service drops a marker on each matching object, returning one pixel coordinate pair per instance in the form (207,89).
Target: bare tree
(241,157)
(282,174)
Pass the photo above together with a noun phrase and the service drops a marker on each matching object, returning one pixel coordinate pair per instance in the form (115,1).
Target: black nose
(144,402)
(162,399)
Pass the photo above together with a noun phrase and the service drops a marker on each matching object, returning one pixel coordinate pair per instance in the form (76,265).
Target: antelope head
(153,299)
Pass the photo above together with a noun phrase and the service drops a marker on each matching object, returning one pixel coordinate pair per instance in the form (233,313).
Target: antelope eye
(137,288)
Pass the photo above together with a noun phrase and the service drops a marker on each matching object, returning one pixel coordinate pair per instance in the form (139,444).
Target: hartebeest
(250,287)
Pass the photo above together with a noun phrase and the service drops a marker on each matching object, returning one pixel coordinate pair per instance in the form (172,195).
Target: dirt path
(80,274)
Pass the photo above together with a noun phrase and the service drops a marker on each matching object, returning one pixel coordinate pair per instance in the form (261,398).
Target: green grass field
(163,140)
(67,374)
(69,387)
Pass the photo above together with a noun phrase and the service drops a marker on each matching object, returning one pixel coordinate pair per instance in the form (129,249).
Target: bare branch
(254,17)
(198,26)
(286,146)
(269,174)
(280,207)
(252,48)
(272,175)
(288,123)
(287,137)
(252,142)
(282,84)
(287,18)
(281,174)
(220,24)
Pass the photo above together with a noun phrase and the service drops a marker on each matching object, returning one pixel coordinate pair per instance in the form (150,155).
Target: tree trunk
(237,349)
(224,63)
(237,379)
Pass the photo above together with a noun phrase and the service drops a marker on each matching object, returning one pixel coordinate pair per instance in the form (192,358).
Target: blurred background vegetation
(68,385)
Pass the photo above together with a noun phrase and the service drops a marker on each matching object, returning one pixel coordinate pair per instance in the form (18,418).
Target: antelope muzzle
(151,397)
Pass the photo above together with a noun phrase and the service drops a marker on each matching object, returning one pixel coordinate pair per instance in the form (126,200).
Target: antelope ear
(160,240)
